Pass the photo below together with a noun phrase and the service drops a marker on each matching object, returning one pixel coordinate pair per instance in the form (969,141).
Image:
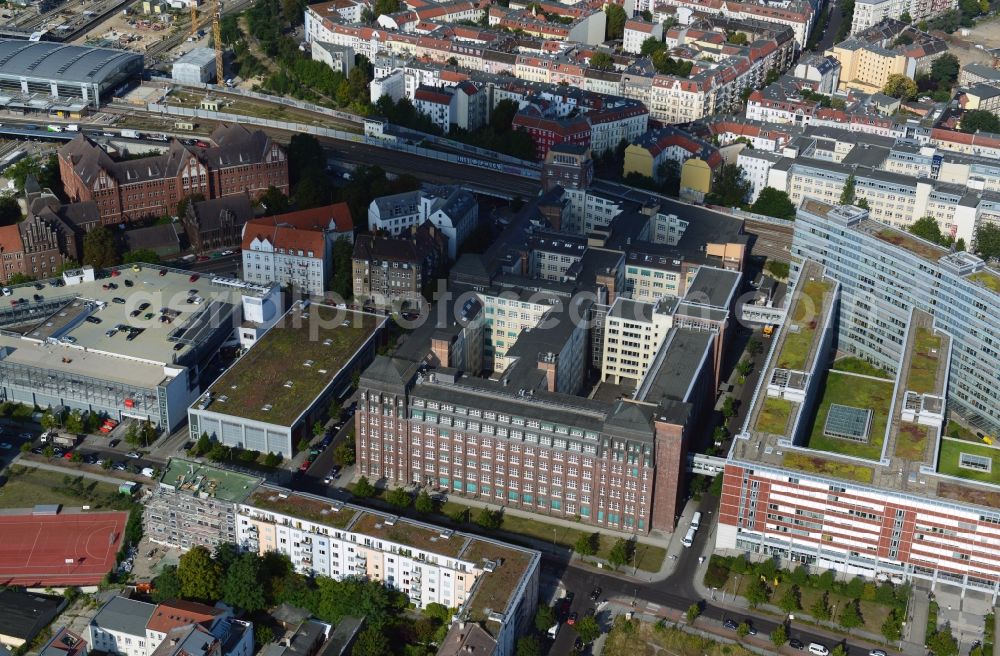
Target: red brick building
(547,132)
(239,162)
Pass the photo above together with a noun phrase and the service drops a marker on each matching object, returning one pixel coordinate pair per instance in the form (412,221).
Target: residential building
(269,400)
(339,58)
(64,643)
(823,70)
(394,271)
(239,162)
(637,31)
(980,96)
(450,209)
(193,505)
(295,249)
(871,12)
(216,224)
(436,104)
(25,615)
(129,627)
(492,584)
(971,74)
(671,151)
(568,166)
(549,131)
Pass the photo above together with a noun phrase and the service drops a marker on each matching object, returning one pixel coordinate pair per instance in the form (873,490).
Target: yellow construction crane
(216,34)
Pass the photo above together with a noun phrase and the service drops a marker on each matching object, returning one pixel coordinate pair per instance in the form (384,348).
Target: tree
(588,629)
(692,613)
(528,646)
(619,553)
(615,26)
(988,240)
(779,636)
(586,544)
(743,629)
(850,616)
(341,283)
(490,519)
(899,86)
(979,120)
(729,187)
(424,504)
(273,201)
(821,608)
(737,38)
(10,211)
(386,7)
(839,650)
(99,249)
(790,601)
(847,193)
(944,70)
(926,228)
(372,641)
(200,576)
(344,454)
(167,585)
(757,593)
(262,634)
(862,203)
(363,489)
(892,627)
(398,497)
(728,407)
(651,45)
(145,255)
(226,553)
(74,422)
(203,445)
(545,618)
(242,587)
(602,61)
(318,428)
(943,643)
(304,154)
(774,202)
(905,17)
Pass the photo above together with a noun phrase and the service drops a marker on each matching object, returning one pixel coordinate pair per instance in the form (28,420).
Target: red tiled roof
(432,96)
(317,218)
(176,613)
(10,240)
(286,238)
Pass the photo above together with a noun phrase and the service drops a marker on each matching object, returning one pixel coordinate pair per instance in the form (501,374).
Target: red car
(163,272)
(304,467)
(116,273)
(194,277)
(68,455)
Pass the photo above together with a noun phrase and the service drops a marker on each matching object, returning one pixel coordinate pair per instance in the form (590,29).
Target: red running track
(34,549)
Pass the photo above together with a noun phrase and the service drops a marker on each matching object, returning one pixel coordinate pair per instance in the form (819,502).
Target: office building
(269,400)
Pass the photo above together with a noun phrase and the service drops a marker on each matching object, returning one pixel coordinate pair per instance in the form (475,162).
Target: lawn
(951,450)
(924,362)
(642,639)
(855,391)
(773,417)
(800,331)
(959,432)
(874,614)
(27,487)
(648,557)
(911,441)
(825,467)
(858,366)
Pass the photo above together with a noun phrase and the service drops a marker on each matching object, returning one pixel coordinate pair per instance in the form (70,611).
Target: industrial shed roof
(68,63)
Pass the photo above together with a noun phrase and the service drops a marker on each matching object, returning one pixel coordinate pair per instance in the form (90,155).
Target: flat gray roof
(124,615)
(65,63)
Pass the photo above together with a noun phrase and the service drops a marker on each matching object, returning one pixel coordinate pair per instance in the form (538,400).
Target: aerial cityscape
(499,327)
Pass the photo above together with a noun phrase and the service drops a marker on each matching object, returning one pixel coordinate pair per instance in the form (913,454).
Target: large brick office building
(239,162)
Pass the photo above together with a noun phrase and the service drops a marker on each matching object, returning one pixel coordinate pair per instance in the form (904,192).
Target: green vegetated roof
(194,478)
(855,392)
(925,358)
(321,512)
(828,467)
(987,278)
(495,588)
(774,415)
(801,329)
(281,375)
(913,244)
(949,460)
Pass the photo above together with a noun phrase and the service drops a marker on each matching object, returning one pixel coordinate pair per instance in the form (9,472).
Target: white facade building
(452,210)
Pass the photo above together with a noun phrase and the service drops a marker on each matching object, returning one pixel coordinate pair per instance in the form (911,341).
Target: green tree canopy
(528,646)
(790,600)
(757,593)
(10,211)
(943,643)
(241,587)
(423,503)
(774,202)
(779,636)
(988,240)
(900,86)
(847,193)
(200,576)
(371,641)
(141,255)
(729,187)
(602,61)
(398,497)
(651,45)
(615,25)
(587,544)
(927,228)
(167,585)
(979,120)
(545,618)
(588,628)
(850,615)
(944,70)
(363,488)
(273,201)
(99,250)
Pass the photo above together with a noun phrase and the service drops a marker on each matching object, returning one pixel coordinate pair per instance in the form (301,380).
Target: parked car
(93,319)
(731,624)
(143,306)
(114,443)
(595,594)
(68,455)
(4,446)
(194,277)
(571,620)
(119,300)
(163,272)
(133,454)
(304,467)
(121,466)
(26,436)
(818,649)
(795,643)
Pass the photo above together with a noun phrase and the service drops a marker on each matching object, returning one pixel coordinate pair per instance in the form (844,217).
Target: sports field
(56,550)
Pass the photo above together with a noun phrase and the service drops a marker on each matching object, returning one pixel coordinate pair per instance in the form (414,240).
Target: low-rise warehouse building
(195,67)
(269,399)
(52,70)
(135,344)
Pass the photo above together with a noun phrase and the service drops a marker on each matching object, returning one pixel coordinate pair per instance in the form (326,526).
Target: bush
(717,572)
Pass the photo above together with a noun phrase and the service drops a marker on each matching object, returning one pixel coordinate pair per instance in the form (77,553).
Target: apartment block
(393,271)
(493,585)
(451,210)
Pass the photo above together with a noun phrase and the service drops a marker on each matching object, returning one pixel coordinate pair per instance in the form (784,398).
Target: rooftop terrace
(193,478)
(281,376)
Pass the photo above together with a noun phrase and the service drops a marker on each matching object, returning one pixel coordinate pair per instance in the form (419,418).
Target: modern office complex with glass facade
(885,273)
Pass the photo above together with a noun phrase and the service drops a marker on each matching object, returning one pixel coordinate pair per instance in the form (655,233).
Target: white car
(7,291)
(818,649)
(5,446)
(227,253)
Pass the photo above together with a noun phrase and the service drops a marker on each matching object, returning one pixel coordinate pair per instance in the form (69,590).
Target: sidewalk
(74,472)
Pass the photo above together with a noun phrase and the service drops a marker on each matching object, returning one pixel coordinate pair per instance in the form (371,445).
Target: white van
(553,631)
(688,539)
(696,521)
(818,649)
